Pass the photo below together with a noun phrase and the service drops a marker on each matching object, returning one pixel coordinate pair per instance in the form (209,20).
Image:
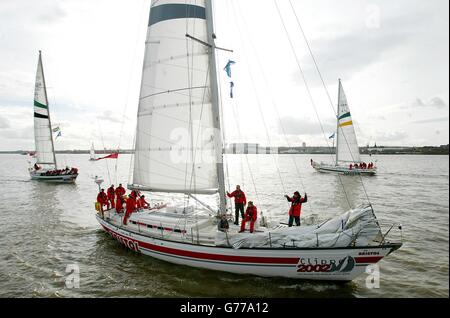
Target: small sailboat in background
(92,153)
(348,158)
(46,168)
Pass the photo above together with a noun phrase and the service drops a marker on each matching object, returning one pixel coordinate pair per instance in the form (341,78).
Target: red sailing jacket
(131,205)
(239,197)
(296,207)
(102,197)
(120,191)
(111,192)
(141,203)
(251,213)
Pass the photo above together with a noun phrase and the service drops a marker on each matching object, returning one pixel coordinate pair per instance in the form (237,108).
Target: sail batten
(347,143)
(175,147)
(45,152)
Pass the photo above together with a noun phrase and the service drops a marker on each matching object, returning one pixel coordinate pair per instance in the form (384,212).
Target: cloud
(437,102)
(51,13)
(431,121)
(299,126)
(26,133)
(4,123)
(111,117)
(391,136)
(344,55)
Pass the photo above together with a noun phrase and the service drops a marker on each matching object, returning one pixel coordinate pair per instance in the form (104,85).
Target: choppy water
(46,228)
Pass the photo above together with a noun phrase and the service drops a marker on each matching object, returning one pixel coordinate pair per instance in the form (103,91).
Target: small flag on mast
(228,67)
(231,89)
(333,136)
(59,135)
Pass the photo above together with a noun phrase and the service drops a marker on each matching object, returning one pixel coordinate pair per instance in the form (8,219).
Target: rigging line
(258,102)
(130,175)
(173,91)
(103,144)
(309,93)
(198,135)
(129,87)
(190,78)
(274,104)
(313,56)
(321,78)
(223,131)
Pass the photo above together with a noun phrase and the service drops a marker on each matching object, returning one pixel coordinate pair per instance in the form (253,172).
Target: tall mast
(48,109)
(216,106)
(337,120)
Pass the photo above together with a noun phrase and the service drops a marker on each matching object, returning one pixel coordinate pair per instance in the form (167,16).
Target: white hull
(54,179)
(332,264)
(344,170)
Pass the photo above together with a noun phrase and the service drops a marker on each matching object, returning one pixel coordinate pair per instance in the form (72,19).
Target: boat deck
(199,228)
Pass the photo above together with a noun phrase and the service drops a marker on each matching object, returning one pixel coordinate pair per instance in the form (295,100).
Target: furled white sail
(45,154)
(176,146)
(347,143)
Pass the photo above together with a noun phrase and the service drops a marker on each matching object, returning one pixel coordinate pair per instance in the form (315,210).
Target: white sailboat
(179,101)
(348,158)
(46,168)
(92,153)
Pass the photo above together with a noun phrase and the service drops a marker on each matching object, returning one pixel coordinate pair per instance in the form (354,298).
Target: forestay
(347,143)
(42,127)
(176,146)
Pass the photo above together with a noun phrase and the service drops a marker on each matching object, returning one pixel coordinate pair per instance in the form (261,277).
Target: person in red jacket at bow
(142,203)
(251,215)
(102,198)
(296,208)
(130,208)
(111,194)
(239,202)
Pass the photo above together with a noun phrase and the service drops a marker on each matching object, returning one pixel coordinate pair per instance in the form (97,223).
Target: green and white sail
(178,141)
(43,137)
(347,150)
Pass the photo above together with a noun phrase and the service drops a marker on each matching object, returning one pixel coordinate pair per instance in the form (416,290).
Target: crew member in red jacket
(239,202)
(130,208)
(142,203)
(251,215)
(102,198)
(111,195)
(296,208)
(120,192)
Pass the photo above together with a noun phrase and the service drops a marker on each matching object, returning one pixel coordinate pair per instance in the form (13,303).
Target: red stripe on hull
(368,260)
(208,256)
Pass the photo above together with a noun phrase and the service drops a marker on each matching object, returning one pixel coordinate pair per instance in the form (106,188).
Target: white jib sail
(175,139)
(45,154)
(347,143)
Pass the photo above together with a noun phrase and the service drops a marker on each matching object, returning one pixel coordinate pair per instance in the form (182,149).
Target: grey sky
(391,55)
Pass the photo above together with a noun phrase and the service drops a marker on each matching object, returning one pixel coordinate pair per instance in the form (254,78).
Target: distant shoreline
(443,150)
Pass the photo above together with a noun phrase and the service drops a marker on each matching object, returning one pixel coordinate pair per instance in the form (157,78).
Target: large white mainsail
(178,142)
(347,150)
(45,152)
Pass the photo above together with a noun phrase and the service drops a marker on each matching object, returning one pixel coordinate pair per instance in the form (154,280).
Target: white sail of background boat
(92,153)
(178,150)
(348,158)
(45,167)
